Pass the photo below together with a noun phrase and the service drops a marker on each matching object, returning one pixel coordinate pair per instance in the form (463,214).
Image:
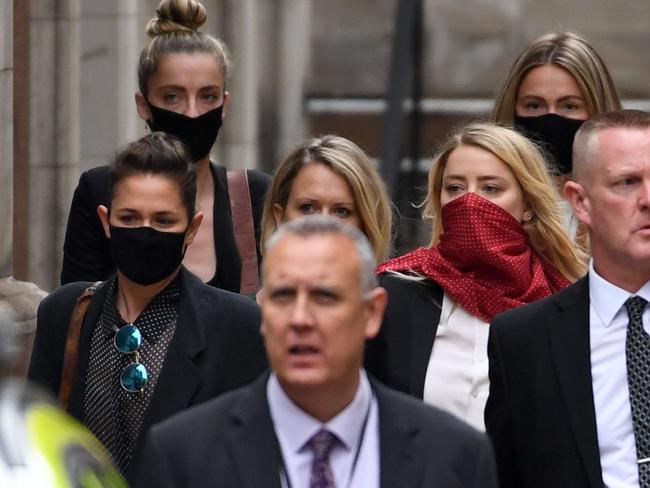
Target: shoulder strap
(71,353)
(242,221)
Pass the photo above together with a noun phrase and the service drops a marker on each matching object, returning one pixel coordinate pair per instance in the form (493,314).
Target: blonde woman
(497,243)
(330,175)
(555,84)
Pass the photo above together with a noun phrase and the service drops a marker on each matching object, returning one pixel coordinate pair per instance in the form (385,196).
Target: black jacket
(216,347)
(540,412)
(231,442)
(399,355)
(85,250)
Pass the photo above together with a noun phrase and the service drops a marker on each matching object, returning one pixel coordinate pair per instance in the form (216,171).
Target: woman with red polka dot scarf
(498,242)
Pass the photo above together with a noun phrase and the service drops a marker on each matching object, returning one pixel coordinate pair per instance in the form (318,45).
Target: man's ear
(193,228)
(144,112)
(102,212)
(578,197)
(376,303)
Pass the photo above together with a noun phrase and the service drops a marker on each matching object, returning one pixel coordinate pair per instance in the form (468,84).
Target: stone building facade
(300,67)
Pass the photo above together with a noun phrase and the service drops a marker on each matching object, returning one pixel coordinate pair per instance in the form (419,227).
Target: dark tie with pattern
(637,352)
(321,471)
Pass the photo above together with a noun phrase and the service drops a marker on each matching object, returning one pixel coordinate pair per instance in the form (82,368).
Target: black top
(399,355)
(86,255)
(217,347)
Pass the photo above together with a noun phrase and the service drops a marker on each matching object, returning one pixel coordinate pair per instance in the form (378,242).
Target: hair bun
(177,16)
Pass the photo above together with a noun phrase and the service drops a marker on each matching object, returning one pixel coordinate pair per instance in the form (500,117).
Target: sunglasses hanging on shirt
(128,340)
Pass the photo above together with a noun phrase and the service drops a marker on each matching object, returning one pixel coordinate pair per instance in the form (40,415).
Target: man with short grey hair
(317,420)
(569,402)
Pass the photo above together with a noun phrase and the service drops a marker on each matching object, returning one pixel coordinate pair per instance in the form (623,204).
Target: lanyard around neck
(285,481)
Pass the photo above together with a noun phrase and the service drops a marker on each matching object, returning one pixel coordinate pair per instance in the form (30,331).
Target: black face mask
(145,255)
(555,134)
(197,133)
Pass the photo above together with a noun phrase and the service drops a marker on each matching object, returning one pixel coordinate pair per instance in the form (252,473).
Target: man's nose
(644,197)
(301,314)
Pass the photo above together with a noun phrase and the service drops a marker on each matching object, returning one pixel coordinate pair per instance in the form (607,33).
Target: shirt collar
(606,298)
(298,427)
(148,322)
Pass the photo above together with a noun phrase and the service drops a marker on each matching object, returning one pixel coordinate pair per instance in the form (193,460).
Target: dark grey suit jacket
(231,442)
(540,412)
(216,347)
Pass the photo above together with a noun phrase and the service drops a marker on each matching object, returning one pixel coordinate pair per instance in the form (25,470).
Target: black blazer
(540,412)
(231,442)
(85,251)
(216,347)
(399,355)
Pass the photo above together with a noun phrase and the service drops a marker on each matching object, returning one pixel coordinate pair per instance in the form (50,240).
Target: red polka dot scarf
(484,260)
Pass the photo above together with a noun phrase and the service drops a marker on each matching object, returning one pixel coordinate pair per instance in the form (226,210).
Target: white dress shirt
(294,428)
(457,375)
(608,322)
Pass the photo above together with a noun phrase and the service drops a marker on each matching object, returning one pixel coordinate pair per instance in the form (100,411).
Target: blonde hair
(347,160)
(174,30)
(545,229)
(571,52)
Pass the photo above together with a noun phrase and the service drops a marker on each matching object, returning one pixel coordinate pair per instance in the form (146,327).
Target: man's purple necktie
(321,471)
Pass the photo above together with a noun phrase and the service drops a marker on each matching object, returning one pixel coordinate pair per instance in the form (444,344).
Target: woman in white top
(497,243)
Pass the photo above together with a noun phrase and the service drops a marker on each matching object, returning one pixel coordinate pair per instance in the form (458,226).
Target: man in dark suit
(317,420)
(569,389)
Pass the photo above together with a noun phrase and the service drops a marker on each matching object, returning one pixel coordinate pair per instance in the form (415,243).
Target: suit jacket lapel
(399,459)
(423,332)
(180,376)
(251,439)
(570,348)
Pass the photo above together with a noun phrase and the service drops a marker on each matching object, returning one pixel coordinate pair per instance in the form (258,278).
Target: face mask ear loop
(148,123)
(185,243)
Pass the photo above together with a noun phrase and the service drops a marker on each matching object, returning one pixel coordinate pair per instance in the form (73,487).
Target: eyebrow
(307,199)
(137,211)
(537,97)
(182,88)
(481,178)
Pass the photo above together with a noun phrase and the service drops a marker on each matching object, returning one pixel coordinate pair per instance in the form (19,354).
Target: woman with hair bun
(182,77)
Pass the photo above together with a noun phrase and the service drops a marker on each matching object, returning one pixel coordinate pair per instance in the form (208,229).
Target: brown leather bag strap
(71,353)
(244,229)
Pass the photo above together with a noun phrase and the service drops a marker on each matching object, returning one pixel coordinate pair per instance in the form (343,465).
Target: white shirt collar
(606,298)
(298,427)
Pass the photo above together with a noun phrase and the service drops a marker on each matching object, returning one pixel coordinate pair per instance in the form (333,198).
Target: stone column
(239,146)
(108,79)
(18,299)
(55,140)
(293,55)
